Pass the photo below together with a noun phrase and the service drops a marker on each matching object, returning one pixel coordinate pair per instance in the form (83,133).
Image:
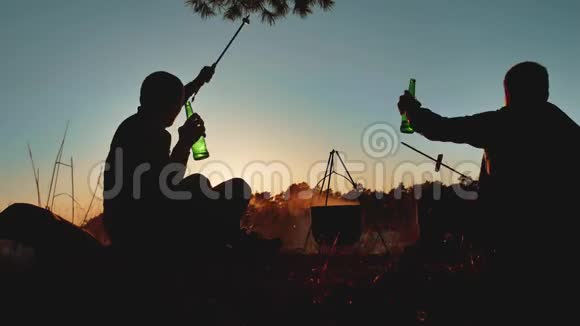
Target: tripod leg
(329,177)
(325,173)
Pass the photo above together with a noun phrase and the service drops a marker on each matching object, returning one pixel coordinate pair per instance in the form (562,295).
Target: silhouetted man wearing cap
(527,180)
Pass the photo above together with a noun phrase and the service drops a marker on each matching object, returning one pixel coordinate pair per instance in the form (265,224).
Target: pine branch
(269,10)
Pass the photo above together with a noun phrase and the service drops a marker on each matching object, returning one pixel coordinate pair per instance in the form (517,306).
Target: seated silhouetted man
(147,201)
(526,178)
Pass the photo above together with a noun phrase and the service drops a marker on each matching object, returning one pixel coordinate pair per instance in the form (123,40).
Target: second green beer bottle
(199,149)
(405,123)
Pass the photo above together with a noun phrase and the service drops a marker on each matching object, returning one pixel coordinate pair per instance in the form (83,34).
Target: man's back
(526,151)
(138,152)
(528,200)
(526,177)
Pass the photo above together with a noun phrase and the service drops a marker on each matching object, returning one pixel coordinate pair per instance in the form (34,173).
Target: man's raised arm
(193,87)
(476,130)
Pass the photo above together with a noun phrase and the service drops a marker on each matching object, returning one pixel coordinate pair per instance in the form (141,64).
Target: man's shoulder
(129,127)
(130,122)
(136,126)
(562,115)
(138,129)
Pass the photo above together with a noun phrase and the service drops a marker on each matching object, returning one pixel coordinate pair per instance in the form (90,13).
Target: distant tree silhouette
(269,10)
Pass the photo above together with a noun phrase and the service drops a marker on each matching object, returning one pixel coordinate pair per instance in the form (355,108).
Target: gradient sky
(289,92)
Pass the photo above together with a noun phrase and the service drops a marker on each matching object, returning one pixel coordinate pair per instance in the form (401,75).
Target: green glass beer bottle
(405,123)
(199,149)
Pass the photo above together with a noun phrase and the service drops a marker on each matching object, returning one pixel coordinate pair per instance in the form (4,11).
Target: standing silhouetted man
(147,201)
(526,180)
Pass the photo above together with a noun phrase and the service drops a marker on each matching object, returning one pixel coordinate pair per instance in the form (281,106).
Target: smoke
(286,216)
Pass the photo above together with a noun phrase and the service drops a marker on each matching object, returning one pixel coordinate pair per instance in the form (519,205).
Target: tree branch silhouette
(269,10)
